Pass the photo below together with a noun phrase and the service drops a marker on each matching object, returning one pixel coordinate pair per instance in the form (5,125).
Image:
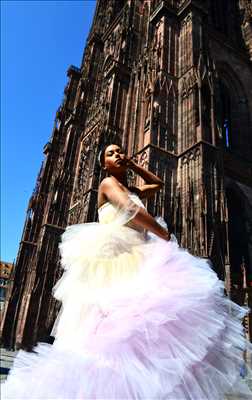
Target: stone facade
(6,272)
(170,80)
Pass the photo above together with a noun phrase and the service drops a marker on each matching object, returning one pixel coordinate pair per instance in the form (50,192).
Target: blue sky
(39,40)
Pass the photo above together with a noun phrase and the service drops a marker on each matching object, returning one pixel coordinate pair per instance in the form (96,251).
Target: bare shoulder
(106,185)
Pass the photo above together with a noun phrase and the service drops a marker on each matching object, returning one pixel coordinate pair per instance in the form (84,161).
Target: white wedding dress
(141,318)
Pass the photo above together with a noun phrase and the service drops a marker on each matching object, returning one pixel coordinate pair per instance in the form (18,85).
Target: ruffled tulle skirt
(140,319)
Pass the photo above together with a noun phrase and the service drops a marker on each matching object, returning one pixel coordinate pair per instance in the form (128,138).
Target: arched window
(206,112)
(225,116)
(232,113)
(219,12)
(196,105)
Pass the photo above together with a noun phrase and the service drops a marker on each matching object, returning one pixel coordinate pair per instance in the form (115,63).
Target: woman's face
(114,159)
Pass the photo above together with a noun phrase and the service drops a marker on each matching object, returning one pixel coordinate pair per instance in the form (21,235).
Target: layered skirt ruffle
(140,319)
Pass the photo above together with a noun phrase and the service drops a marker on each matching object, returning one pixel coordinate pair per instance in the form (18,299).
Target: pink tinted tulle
(168,333)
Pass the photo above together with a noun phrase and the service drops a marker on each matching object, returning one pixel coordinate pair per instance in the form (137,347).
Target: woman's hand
(152,183)
(130,163)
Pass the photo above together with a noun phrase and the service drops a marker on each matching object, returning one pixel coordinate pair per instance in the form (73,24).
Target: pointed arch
(220,14)
(206,111)
(226,118)
(233,113)
(171,118)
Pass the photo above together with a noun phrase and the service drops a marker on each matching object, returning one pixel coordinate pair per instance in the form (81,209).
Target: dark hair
(101,155)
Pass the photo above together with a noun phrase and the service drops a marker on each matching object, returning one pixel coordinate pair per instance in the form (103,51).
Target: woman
(114,189)
(141,318)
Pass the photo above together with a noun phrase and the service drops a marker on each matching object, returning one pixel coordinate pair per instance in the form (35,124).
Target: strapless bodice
(108,212)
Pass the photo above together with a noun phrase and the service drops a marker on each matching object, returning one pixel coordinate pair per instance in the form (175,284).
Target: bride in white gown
(141,318)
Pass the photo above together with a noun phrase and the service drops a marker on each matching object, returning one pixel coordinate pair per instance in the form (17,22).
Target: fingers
(128,162)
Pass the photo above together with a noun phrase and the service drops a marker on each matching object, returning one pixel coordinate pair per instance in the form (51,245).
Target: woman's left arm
(153,182)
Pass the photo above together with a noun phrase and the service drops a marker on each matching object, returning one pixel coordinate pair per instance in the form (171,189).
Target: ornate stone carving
(82,174)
